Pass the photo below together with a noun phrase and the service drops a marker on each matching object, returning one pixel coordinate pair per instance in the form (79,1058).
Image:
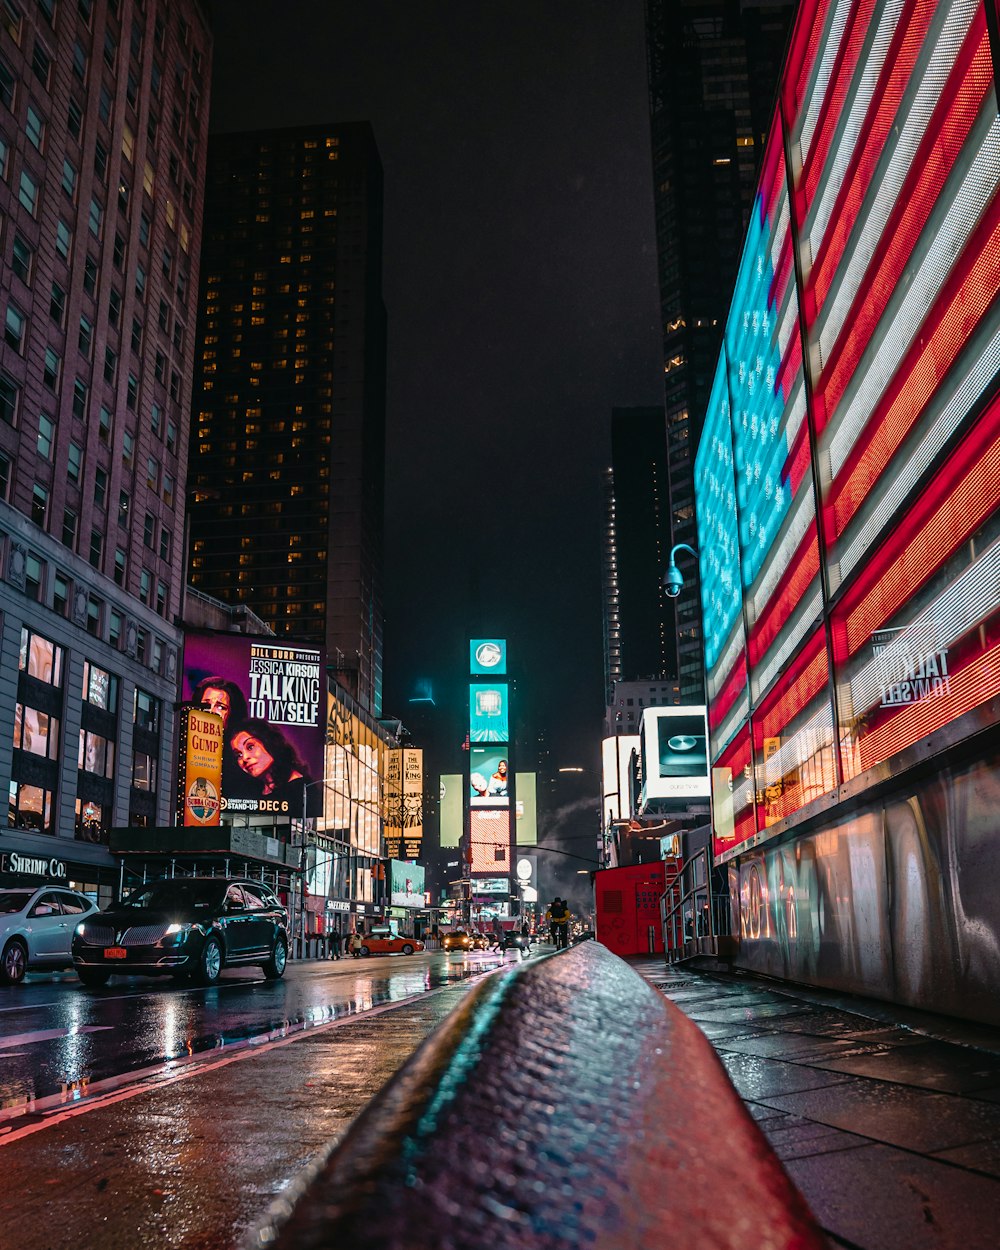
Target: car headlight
(81,929)
(177,928)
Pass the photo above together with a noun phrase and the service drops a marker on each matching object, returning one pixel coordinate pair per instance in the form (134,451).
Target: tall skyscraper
(103,135)
(287,469)
(638,617)
(713,69)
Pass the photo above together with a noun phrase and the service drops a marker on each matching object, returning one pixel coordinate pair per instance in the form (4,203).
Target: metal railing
(694,917)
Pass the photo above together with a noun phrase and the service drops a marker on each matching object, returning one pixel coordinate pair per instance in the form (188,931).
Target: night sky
(520,284)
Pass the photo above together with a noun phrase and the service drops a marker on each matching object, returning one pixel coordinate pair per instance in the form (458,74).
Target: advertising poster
(488,777)
(675,753)
(403,802)
(488,713)
(406,884)
(451,809)
(489,656)
(271,697)
(199,768)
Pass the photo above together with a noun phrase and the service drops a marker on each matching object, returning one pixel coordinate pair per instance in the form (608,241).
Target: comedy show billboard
(271,698)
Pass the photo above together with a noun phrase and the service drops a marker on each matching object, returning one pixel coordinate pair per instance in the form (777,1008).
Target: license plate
(115,952)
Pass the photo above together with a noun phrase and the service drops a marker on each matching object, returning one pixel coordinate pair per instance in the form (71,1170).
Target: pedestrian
(354,945)
(526,934)
(334,940)
(498,934)
(560,923)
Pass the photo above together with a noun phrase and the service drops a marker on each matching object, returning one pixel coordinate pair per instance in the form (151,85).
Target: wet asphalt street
(61,1042)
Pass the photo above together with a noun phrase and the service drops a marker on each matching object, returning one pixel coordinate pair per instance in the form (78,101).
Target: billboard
(489,778)
(199,768)
(617,773)
(858,371)
(490,842)
(488,713)
(271,697)
(526,810)
(674,755)
(404,802)
(451,809)
(489,656)
(406,884)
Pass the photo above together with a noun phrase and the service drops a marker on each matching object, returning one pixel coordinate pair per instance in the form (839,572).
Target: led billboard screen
(406,884)
(271,697)
(822,664)
(490,842)
(488,713)
(489,779)
(526,810)
(488,656)
(674,754)
(617,773)
(404,802)
(451,809)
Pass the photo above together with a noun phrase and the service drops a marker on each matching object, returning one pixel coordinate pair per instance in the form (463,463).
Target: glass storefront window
(36,732)
(30,807)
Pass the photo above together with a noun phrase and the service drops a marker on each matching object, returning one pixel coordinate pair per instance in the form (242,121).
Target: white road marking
(48,1035)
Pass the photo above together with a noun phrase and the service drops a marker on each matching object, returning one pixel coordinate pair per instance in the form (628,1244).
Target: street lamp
(673,578)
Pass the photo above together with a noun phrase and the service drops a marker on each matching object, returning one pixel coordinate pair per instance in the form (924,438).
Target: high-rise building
(713,68)
(638,617)
(103,135)
(287,470)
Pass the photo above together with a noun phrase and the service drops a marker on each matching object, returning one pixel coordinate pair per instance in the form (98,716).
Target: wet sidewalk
(887,1120)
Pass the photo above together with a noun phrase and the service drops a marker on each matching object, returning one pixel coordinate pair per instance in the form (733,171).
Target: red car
(389,944)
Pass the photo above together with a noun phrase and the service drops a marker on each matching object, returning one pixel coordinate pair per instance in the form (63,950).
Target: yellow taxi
(457,940)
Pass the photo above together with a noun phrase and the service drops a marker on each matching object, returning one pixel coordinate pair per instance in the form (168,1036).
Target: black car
(188,927)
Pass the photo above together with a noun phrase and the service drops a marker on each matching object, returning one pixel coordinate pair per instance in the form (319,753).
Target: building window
(152,473)
(5,472)
(119,567)
(50,369)
(74,118)
(114,306)
(101,161)
(34,128)
(114,628)
(69,177)
(57,303)
(69,529)
(39,504)
(149,530)
(41,63)
(171,436)
(74,462)
(9,392)
(90,275)
(94,607)
(28,193)
(14,327)
(33,577)
(96,213)
(128,448)
(100,486)
(96,548)
(85,338)
(21,259)
(46,433)
(30,807)
(132,394)
(97,754)
(64,236)
(145,585)
(155,418)
(123,507)
(40,658)
(143,771)
(60,594)
(36,732)
(136,335)
(118,254)
(79,399)
(147,711)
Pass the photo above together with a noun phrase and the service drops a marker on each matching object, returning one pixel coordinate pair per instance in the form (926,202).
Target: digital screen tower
(849,467)
(490,776)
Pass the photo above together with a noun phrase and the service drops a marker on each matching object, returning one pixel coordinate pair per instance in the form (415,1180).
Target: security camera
(673,580)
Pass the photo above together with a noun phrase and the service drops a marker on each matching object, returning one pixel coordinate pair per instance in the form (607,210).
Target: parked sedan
(389,944)
(189,927)
(36,928)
